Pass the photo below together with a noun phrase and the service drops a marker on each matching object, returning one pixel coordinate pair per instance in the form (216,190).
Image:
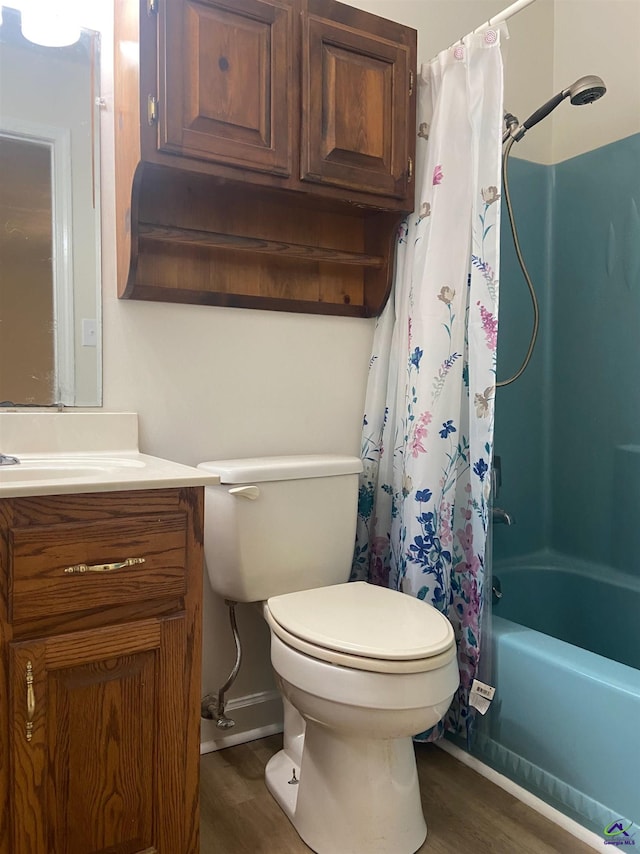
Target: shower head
(583,91)
(586,90)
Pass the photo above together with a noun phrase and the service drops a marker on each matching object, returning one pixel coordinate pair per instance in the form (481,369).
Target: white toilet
(361,668)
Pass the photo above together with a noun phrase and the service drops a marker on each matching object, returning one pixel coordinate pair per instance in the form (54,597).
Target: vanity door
(98,761)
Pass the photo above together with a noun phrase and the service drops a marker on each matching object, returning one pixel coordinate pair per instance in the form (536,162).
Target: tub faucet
(6,460)
(501,517)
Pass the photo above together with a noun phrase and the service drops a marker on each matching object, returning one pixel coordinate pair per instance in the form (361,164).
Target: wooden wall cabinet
(100,673)
(264,152)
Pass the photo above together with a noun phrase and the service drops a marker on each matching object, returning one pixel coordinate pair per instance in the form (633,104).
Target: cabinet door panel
(99,742)
(102,756)
(225,91)
(355,109)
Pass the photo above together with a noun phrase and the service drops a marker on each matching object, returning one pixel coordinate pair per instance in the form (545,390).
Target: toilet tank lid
(262,469)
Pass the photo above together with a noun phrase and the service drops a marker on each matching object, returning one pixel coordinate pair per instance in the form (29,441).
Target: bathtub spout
(501,517)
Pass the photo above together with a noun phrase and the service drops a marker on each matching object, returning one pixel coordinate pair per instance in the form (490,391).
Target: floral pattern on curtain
(427,438)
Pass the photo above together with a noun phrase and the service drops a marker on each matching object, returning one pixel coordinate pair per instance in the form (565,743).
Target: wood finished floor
(465,813)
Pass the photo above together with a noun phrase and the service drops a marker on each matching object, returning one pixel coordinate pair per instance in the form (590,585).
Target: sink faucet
(6,460)
(501,517)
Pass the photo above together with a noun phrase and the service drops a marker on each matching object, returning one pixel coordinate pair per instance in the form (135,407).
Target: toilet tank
(280,524)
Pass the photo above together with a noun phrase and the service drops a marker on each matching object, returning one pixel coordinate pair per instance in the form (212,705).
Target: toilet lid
(365,620)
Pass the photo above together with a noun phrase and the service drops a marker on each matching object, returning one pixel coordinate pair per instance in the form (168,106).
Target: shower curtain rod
(507,13)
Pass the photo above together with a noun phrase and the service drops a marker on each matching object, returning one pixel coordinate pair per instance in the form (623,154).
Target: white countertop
(79,452)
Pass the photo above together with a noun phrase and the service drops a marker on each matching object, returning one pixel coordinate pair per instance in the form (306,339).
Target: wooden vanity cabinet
(100,673)
(264,152)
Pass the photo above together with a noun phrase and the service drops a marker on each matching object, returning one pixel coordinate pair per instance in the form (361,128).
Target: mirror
(49,220)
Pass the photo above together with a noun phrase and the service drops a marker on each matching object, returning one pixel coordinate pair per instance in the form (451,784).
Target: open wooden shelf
(204,239)
(240,243)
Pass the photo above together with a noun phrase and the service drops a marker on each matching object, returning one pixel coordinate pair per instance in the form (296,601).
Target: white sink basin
(54,467)
(83,452)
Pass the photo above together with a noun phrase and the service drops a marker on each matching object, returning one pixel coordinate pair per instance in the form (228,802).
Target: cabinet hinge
(152,7)
(410,169)
(411,82)
(152,109)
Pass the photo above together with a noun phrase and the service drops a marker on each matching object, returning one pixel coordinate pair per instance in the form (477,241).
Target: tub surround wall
(567,431)
(625,539)
(596,353)
(536,593)
(524,451)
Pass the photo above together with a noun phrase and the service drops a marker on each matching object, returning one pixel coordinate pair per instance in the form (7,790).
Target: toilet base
(354,795)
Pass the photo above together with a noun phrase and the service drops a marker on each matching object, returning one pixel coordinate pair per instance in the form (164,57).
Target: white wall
(596,37)
(214,382)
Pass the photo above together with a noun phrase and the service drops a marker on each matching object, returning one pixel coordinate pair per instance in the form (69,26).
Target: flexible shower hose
(523,267)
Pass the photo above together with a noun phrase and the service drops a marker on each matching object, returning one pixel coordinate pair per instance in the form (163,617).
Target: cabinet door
(98,721)
(358,127)
(225,82)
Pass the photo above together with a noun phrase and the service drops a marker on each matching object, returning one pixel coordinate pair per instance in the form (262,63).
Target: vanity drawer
(77,566)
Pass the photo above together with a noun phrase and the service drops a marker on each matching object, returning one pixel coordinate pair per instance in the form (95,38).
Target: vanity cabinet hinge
(411,83)
(410,169)
(152,109)
(152,7)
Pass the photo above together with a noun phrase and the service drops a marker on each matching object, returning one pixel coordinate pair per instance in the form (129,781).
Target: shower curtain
(427,438)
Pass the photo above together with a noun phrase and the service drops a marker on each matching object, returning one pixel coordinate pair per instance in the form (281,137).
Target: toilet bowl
(385,669)
(361,668)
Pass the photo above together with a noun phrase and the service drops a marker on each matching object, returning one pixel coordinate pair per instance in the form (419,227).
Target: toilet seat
(364,627)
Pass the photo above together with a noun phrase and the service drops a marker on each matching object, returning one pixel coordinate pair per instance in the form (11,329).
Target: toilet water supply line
(212,707)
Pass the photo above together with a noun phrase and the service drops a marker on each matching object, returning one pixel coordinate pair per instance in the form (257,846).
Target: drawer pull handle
(81,568)
(31,701)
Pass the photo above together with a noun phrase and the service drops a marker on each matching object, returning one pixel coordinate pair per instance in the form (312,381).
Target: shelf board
(238,243)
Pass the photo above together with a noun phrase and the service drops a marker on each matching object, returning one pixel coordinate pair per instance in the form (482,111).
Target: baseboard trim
(231,737)
(252,700)
(549,812)
(239,738)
